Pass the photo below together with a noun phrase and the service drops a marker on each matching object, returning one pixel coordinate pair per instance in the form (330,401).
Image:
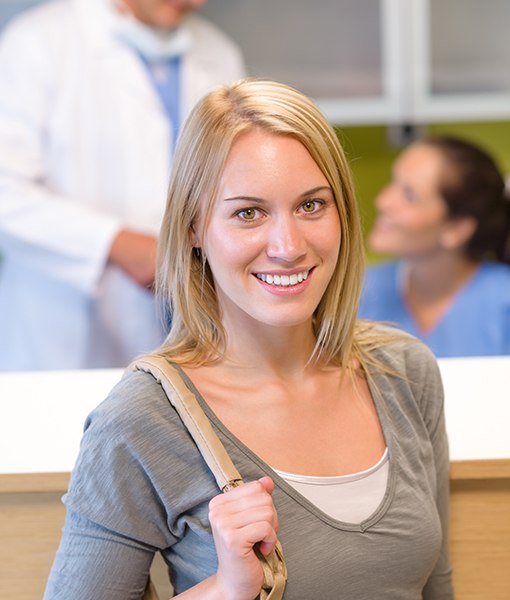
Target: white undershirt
(349,498)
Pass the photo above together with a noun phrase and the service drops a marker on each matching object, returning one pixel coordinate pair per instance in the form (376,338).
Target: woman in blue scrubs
(445,218)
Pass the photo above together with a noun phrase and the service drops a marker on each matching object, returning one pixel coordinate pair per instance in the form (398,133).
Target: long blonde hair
(184,282)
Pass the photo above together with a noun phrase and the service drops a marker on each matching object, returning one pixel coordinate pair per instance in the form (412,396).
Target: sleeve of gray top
(116,518)
(431,400)
(94,562)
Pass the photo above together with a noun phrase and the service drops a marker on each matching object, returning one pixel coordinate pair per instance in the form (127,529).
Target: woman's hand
(241,518)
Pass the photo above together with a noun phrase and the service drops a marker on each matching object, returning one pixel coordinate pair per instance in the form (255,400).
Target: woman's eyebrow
(244,198)
(319,188)
(257,200)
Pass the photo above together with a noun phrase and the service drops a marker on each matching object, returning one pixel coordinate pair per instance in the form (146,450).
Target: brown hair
(472,186)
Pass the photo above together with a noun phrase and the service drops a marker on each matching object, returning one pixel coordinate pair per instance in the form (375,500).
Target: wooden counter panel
(58,482)
(34,483)
(32,515)
(30,529)
(480,469)
(480,539)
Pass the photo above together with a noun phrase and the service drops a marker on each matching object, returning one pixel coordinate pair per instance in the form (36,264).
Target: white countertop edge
(42,414)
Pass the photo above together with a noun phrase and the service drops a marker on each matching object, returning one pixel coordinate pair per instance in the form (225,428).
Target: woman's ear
(194,238)
(458,232)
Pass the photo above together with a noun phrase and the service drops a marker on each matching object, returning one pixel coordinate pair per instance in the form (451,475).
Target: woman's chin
(378,244)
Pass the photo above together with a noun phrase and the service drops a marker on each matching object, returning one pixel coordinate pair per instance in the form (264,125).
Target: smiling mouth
(283,280)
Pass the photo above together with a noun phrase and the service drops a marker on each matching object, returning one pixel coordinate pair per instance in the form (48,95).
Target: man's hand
(135,254)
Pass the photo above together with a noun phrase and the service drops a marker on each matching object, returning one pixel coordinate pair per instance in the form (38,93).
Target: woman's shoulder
(407,373)
(490,288)
(395,351)
(133,458)
(495,273)
(137,402)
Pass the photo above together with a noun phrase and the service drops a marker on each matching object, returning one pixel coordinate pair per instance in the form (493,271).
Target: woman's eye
(410,195)
(247,214)
(310,206)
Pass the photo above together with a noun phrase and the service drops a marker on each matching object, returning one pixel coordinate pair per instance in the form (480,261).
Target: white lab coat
(85,150)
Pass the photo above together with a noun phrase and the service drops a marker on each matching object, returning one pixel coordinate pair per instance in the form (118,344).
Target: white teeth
(283,280)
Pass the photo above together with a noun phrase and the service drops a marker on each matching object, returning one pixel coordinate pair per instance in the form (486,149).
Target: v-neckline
(426,333)
(388,435)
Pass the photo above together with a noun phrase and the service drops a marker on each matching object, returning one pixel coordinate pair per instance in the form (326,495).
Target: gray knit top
(140,486)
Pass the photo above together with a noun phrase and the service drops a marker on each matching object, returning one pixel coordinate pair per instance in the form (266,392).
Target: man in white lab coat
(87,129)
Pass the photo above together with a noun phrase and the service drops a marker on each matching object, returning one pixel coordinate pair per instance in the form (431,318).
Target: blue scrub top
(476,324)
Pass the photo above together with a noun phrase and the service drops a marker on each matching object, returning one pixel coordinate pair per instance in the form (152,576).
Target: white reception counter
(42,414)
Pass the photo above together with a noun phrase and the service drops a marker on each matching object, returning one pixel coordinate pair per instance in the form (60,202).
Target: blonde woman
(336,426)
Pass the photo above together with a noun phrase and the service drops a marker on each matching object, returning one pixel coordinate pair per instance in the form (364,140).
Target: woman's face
(411,215)
(160,13)
(273,236)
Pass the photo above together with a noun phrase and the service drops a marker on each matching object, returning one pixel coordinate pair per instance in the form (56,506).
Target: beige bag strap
(150,591)
(215,455)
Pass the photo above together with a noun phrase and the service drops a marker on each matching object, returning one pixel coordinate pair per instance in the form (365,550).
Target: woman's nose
(286,240)
(386,197)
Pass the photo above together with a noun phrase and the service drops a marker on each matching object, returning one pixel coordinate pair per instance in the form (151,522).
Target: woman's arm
(94,562)
(439,585)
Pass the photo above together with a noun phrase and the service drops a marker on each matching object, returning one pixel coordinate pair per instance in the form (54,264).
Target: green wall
(371,154)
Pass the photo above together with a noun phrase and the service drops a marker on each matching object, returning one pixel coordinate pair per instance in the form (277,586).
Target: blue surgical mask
(152,43)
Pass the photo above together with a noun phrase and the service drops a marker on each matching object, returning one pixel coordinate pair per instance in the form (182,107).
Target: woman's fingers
(240,519)
(267,483)
(241,507)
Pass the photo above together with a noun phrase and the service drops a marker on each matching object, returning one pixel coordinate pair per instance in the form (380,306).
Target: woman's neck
(282,351)
(430,285)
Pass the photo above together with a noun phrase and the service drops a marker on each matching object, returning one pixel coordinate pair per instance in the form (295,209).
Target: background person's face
(411,215)
(160,13)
